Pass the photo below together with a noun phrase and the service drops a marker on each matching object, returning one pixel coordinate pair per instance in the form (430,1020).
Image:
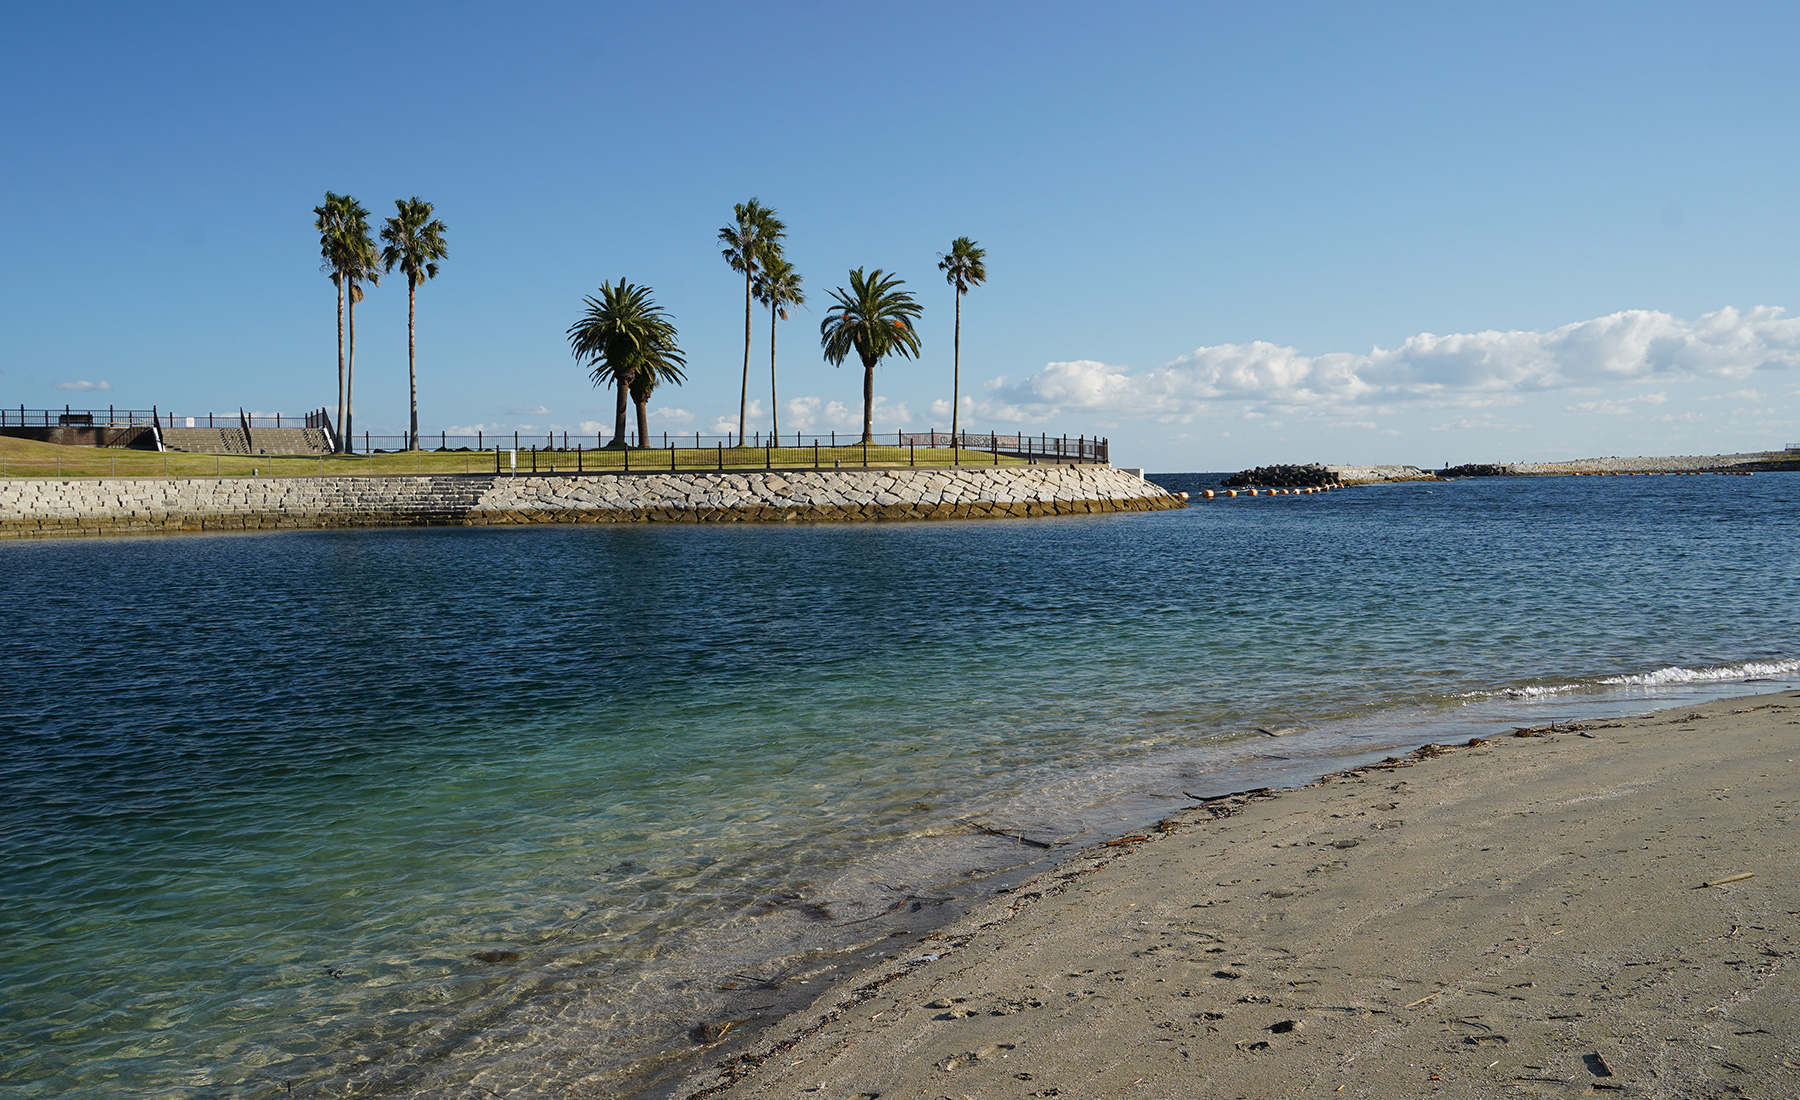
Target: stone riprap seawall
(107,506)
(1668,464)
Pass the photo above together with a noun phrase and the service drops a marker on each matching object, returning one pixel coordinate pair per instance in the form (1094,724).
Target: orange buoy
(1231,492)
(1184,496)
(1207,493)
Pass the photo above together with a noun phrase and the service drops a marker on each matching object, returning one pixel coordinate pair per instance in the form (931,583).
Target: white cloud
(815,414)
(526,410)
(670,416)
(1620,406)
(1467,370)
(84,384)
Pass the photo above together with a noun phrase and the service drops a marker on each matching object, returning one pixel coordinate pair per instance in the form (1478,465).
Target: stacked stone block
(74,506)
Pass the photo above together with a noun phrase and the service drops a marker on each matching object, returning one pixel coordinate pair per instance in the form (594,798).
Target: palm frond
(873,318)
(622,333)
(965,265)
(778,286)
(753,238)
(415,240)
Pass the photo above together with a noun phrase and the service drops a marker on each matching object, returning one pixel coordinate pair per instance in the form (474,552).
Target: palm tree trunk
(350,379)
(956,373)
(744,397)
(412,371)
(868,401)
(623,383)
(643,420)
(774,405)
(340,408)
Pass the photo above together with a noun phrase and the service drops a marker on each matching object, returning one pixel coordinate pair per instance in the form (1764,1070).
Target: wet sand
(1528,916)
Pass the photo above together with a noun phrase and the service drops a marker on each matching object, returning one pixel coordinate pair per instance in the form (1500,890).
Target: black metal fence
(66,417)
(112,417)
(1043,447)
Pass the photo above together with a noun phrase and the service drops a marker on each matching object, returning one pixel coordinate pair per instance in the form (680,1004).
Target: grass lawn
(29,458)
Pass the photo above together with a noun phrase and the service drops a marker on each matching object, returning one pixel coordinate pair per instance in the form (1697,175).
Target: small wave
(1531,691)
(1537,690)
(1675,674)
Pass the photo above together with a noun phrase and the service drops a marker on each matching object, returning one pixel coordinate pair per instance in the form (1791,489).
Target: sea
(579,810)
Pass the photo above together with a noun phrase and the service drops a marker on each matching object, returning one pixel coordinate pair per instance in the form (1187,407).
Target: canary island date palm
(964,266)
(623,333)
(337,257)
(874,319)
(643,383)
(751,240)
(778,287)
(415,243)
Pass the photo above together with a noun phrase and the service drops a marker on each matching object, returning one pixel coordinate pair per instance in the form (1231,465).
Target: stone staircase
(430,500)
(262,441)
(209,441)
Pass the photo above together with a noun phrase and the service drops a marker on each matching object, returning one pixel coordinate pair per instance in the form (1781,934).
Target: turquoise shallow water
(453,811)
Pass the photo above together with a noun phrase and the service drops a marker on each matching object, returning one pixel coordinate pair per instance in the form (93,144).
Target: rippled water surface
(469,810)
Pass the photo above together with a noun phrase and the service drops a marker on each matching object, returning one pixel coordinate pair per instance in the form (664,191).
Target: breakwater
(100,506)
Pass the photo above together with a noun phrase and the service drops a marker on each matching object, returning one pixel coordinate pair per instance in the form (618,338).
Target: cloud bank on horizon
(1464,370)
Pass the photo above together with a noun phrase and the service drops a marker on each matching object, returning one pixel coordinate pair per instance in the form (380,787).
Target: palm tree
(333,219)
(753,238)
(778,287)
(644,382)
(361,264)
(875,320)
(624,334)
(415,242)
(963,266)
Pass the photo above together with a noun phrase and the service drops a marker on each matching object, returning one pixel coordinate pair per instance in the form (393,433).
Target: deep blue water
(464,809)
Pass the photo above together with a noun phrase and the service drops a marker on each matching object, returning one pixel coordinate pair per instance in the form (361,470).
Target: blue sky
(1220,235)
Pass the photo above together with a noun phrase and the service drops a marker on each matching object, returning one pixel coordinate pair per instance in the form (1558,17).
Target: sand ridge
(1526,916)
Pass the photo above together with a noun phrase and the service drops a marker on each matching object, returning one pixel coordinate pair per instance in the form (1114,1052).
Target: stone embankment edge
(1666,464)
(114,506)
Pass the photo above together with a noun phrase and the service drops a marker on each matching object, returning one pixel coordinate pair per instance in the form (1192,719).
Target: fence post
(865,454)
(912,453)
(815,452)
(578,458)
(671,457)
(721,456)
(627,453)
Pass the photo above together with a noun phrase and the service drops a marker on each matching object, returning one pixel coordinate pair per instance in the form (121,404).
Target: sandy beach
(1610,908)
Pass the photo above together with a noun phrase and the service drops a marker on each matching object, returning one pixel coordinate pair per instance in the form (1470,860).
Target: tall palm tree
(752,239)
(336,257)
(875,319)
(963,266)
(415,242)
(778,287)
(361,264)
(624,333)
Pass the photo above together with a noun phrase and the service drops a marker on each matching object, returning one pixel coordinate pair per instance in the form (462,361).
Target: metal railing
(66,416)
(1039,448)
(112,417)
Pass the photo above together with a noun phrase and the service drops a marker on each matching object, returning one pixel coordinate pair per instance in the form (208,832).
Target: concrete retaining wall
(49,507)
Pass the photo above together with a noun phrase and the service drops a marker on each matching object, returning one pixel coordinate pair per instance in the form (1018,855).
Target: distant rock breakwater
(41,507)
